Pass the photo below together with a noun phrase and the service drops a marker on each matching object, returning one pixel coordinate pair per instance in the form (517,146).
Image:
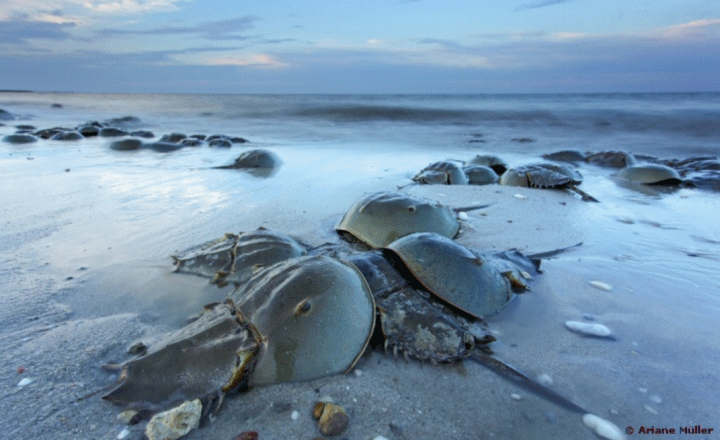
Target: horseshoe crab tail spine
(540,255)
(471,208)
(585,196)
(525,382)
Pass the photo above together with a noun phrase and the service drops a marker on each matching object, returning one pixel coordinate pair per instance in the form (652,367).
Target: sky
(370,46)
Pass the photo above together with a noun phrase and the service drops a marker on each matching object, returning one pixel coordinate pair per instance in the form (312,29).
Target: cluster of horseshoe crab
(561,173)
(298,313)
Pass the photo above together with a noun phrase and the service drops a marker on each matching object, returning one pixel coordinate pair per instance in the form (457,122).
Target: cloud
(211,30)
(19,31)
(694,29)
(592,64)
(250,60)
(128,6)
(540,4)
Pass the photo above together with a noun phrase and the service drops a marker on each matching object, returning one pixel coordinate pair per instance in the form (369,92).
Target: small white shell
(520,196)
(591,329)
(462,216)
(602,427)
(24,382)
(124,433)
(600,285)
(545,379)
(295,415)
(515,396)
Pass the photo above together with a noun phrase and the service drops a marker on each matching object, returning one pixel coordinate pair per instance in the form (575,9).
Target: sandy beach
(85,270)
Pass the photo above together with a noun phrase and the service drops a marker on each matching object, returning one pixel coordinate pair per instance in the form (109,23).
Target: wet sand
(85,272)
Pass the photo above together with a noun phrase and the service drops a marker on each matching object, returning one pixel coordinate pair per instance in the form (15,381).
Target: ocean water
(87,232)
(663,124)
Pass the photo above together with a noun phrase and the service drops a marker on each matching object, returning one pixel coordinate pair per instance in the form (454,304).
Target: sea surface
(87,234)
(664,124)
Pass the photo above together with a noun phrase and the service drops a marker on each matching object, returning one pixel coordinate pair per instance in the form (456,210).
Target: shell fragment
(602,427)
(589,329)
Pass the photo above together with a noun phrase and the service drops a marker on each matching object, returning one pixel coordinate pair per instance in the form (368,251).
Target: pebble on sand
(24,382)
(602,427)
(590,329)
(176,422)
(332,418)
(600,285)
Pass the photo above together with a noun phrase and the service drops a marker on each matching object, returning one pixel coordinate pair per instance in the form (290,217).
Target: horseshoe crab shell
(314,314)
(261,163)
(380,218)
(498,165)
(234,257)
(445,172)
(543,175)
(472,282)
(480,175)
(195,361)
(296,320)
(411,322)
(650,174)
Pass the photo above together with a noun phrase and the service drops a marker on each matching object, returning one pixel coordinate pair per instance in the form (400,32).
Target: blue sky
(373,46)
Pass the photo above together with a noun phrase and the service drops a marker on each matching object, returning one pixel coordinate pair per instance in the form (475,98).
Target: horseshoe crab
(313,315)
(650,174)
(476,283)
(380,218)
(412,323)
(612,159)
(260,163)
(233,258)
(296,320)
(545,175)
(444,172)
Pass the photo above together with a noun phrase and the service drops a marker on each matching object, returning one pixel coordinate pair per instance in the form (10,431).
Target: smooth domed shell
(315,315)
(20,138)
(453,273)
(381,218)
(513,177)
(480,175)
(498,165)
(650,174)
